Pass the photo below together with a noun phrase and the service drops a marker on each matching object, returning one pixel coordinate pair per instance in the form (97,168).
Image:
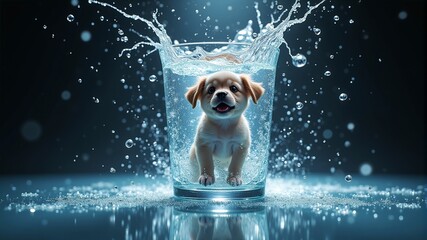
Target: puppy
(223,134)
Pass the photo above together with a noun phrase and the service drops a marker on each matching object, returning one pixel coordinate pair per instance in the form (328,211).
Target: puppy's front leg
(235,169)
(204,156)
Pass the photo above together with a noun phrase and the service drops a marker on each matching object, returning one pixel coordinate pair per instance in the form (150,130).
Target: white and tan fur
(223,134)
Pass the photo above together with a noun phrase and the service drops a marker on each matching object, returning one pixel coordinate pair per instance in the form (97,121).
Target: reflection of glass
(181,71)
(219,224)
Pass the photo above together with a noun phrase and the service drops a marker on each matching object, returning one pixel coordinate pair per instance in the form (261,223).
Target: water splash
(259,50)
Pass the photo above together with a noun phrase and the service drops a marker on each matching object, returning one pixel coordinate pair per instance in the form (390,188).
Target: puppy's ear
(194,92)
(255,90)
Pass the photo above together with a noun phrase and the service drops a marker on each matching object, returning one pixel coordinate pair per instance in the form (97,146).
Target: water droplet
(96,100)
(76,2)
(347,144)
(331,56)
(122,80)
(70,17)
(327,73)
(79,80)
(348,178)
(327,134)
(350,126)
(299,60)
(351,21)
(279,7)
(336,18)
(112,170)
(317,31)
(85,36)
(299,105)
(365,169)
(343,96)
(127,157)
(140,60)
(32,210)
(403,15)
(101,18)
(129,143)
(44,27)
(152,78)
(65,95)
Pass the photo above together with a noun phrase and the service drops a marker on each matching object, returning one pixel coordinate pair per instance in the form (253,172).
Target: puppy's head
(224,94)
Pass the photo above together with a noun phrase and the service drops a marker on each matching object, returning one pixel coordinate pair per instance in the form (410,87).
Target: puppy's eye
(234,89)
(211,90)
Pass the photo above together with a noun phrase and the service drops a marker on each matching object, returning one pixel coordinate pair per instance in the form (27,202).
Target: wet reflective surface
(128,207)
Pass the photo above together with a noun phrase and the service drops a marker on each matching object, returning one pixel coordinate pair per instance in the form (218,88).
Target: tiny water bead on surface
(343,96)
(317,31)
(70,17)
(348,178)
(327,73)
(129,143)
(299,105)
(299,60)
(152,78)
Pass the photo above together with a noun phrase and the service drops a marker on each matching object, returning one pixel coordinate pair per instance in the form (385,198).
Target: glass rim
(209,43)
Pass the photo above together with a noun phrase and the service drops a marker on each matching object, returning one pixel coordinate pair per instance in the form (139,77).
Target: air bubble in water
(327,73)
(299,105)
(336,18)
(129,143)
(70,17)
(317,31)
(343,96)
(348,178)
(299,60)
(152,78)
(112,170)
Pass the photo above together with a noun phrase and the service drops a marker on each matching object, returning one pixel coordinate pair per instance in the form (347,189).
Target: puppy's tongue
(222,107)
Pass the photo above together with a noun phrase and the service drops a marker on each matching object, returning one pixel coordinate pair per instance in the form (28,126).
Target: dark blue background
(387,97)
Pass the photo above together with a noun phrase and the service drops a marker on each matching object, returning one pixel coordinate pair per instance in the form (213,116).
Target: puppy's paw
(206,179)
(234,180)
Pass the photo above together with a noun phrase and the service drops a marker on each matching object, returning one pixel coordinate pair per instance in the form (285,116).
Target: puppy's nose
(221,95)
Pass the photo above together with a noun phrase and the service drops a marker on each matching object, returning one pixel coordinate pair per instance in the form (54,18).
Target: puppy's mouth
(223,108)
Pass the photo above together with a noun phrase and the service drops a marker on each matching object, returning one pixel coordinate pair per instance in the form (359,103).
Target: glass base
(203,193)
